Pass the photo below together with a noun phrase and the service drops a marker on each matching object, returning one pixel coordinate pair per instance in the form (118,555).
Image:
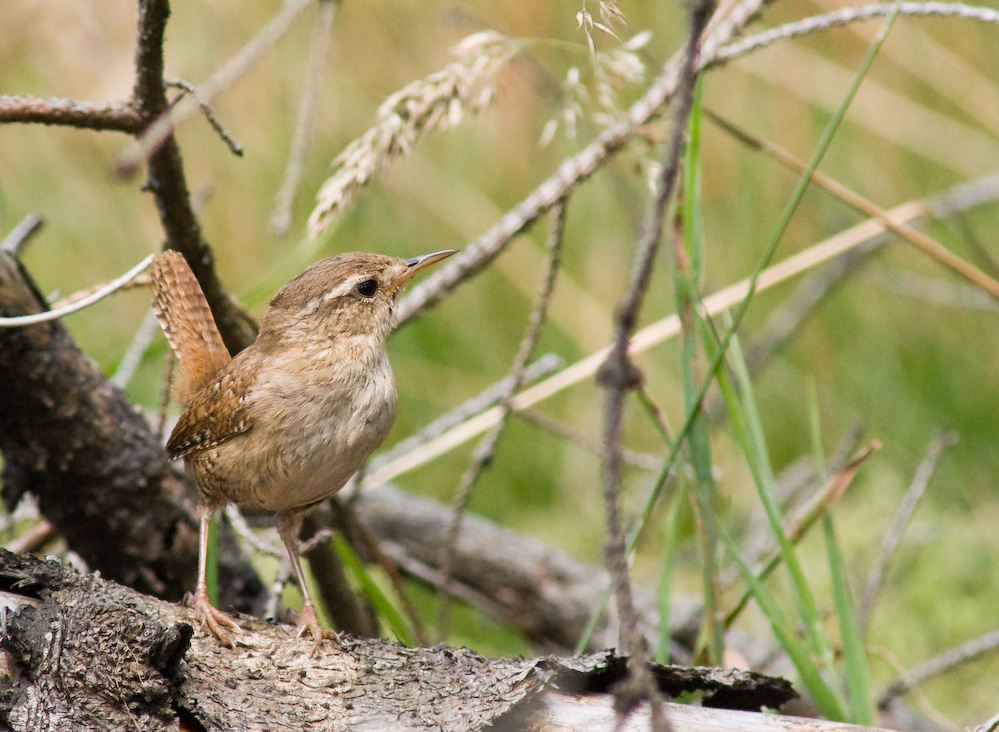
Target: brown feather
(216,414)
(188,324)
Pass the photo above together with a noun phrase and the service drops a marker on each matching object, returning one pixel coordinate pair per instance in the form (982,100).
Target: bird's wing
(187,321)
(216,414)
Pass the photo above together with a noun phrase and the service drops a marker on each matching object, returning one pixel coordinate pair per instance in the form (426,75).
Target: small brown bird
(284,424)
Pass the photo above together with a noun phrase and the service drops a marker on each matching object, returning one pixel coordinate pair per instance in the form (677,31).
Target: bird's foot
(216,620)
(307,621)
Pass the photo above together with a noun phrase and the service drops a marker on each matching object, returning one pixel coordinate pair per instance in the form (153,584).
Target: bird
(285,423)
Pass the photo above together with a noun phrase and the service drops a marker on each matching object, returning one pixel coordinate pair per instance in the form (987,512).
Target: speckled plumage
(288,420)
(285,423)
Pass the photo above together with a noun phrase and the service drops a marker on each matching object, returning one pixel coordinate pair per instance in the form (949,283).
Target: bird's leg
(216,620)
(288,525)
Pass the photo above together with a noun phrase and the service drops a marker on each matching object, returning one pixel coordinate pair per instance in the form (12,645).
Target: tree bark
(100,475)
(523,582)
(83,653)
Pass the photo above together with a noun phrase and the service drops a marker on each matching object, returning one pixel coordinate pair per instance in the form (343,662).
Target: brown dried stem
(930,246)
(484,451)
(893,536)
(618,375)
(730,19)
(315,74)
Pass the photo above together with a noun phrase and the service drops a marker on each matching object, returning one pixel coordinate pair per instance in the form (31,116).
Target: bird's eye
(367,288)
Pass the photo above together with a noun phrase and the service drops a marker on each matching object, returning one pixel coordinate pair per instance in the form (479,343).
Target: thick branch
(166,177)
(522,582)
(86,654)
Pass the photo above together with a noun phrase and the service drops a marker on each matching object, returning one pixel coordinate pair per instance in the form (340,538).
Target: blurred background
(901,347)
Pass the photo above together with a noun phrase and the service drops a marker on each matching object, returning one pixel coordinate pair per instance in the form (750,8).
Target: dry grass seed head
(435,103)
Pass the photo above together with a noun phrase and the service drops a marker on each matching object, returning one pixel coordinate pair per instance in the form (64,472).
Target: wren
(285,423)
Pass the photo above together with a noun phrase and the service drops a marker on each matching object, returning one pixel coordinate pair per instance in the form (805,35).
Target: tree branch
(113,116)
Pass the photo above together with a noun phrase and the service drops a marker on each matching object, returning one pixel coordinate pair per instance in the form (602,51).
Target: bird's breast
(315,428)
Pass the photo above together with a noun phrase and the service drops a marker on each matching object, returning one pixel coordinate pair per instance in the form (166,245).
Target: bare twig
(845,16)
(487,446)
(132,357)
(618,375)
(308,107)
(20,235)
(642,460)
(946,661)
(935,291)
(490,396)
(930,246)
(730,18)
(234,147)
(114,116)
(806,517)
(893,536)
(166,180)
(159,131)
(269,548)
(357,531)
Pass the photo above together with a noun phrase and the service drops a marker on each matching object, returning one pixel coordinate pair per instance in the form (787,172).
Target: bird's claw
(216,620)
(308,622)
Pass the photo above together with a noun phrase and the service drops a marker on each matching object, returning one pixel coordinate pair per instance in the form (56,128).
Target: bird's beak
(415,264)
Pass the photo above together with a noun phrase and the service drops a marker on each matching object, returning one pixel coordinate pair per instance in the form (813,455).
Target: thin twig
(20,235)
(935,291)
(234,147)
(580,439)
(487,446)
(482,401)
(111,287)
(166,180)
(269,548)
(929,245)
(433,577)
(806,517)
(356,530)
(939,444)
(730,18)
(164,405)
(308,107)
(130,360)
(942,663)
(618,375)
(157,133)
(845,16)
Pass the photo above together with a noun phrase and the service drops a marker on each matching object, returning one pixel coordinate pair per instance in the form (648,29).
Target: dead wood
(84,653)
(523,582)
(99,473)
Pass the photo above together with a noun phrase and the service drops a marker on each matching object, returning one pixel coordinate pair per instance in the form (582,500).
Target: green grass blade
(665,594)
(212,562)
(766,489)
(811,678)
(855,666)
(687,271)
(740,312)
(385,608)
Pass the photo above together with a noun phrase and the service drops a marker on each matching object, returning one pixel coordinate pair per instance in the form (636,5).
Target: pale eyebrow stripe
(343,288)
